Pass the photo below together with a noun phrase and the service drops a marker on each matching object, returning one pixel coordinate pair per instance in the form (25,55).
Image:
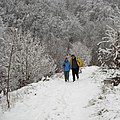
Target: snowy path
(57,100)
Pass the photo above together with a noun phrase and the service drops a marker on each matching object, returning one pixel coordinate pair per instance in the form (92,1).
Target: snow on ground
(57,100)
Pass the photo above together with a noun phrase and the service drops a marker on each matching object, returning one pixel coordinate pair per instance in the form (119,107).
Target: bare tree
(12,33)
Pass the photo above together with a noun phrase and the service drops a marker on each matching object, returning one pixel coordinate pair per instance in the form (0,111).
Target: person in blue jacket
(66,68)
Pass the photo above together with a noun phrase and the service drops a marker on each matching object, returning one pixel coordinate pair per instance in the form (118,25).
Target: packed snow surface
(57,100)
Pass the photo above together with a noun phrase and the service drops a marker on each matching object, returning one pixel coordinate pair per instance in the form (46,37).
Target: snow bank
(106,106)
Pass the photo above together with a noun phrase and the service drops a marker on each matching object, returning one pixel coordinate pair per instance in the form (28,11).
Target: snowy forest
(36,36)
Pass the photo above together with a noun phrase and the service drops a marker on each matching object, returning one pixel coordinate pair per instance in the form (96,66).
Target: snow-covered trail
(57,100)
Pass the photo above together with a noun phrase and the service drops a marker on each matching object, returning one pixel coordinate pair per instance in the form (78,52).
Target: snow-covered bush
(109,50)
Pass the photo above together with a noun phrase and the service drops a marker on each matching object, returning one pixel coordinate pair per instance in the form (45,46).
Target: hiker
(66,68)
(75,63)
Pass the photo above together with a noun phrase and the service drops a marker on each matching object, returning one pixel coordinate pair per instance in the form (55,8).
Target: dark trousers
(66,74)
(75,71)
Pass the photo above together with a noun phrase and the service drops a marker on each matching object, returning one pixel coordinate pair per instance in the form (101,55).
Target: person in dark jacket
(75,63)
(66,68)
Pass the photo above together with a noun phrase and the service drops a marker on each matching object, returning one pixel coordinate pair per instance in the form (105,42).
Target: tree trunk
(27,70)
(8,80)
